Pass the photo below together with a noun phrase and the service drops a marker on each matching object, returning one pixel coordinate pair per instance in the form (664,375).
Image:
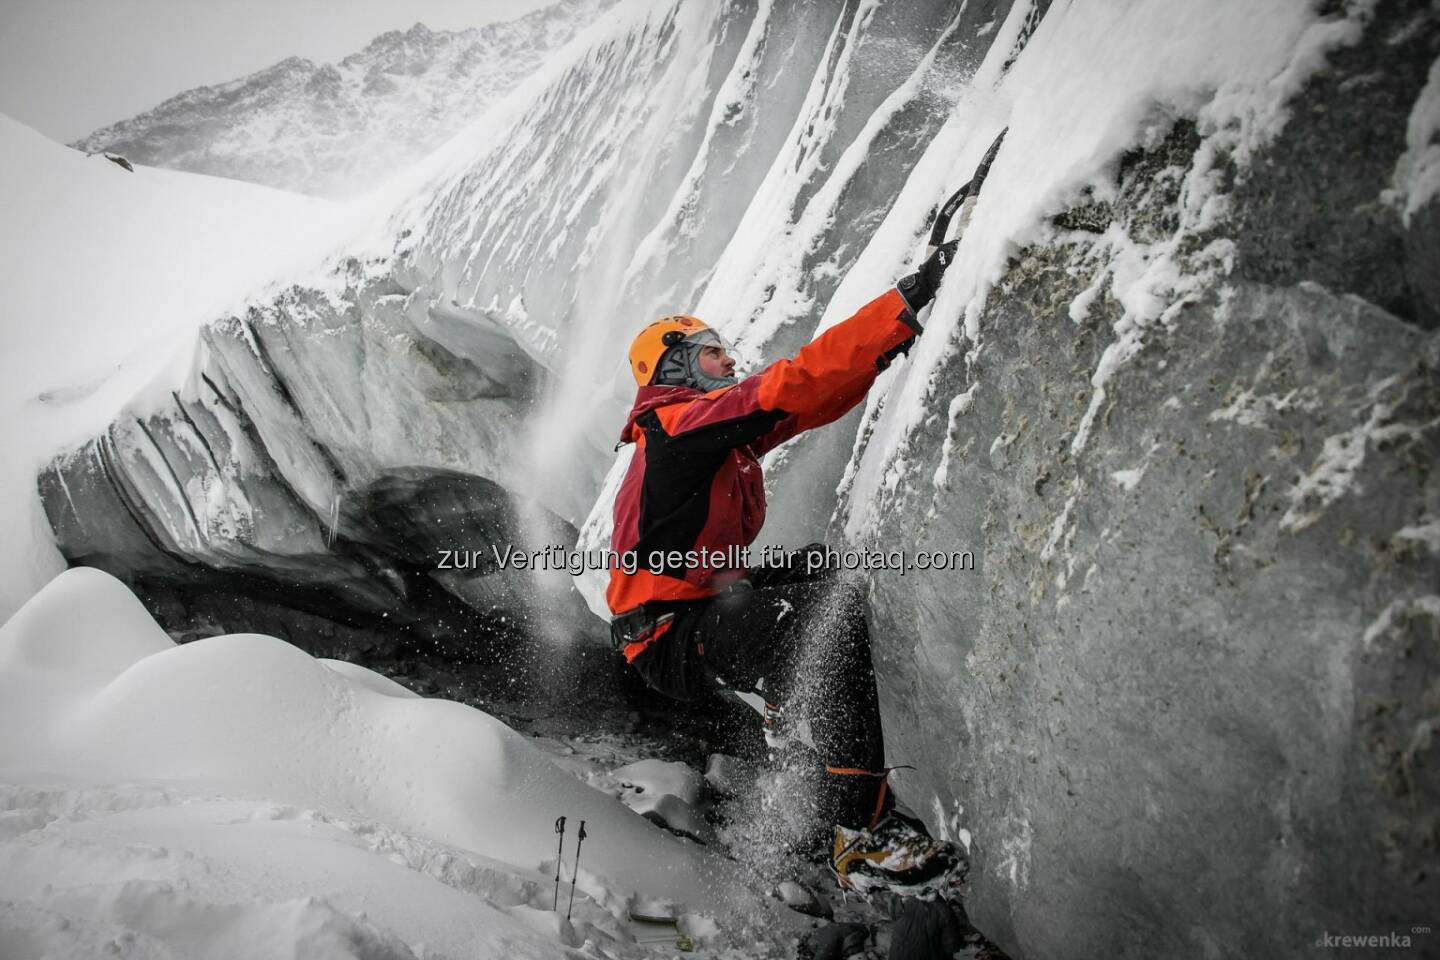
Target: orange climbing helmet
(651,343)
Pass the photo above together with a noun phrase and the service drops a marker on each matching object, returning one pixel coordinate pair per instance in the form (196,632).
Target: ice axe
(957,200)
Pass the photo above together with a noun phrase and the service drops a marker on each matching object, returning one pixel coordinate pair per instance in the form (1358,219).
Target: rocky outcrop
(1187,696)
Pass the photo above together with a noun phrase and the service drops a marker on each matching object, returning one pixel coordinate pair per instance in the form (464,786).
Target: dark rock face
(1185,706)
(1165,712)
(1305,216)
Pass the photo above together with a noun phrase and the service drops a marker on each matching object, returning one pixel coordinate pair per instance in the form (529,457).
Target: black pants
(801,639)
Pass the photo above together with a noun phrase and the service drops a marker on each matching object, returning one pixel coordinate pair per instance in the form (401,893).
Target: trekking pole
(971,189)
(560,829)
(580,840)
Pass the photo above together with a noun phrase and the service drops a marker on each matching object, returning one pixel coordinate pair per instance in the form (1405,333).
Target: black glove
(919,288)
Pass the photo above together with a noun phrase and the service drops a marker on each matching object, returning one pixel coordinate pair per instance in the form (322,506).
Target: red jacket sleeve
(820,384)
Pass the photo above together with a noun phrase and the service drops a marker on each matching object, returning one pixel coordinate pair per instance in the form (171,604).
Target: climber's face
(715,362)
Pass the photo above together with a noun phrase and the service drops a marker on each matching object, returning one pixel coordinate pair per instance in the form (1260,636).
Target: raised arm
(823,381)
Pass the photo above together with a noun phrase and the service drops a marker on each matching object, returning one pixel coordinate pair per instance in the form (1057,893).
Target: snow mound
(60,634)
(92,691)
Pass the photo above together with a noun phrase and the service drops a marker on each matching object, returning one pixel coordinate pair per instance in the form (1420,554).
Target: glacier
(1179,396)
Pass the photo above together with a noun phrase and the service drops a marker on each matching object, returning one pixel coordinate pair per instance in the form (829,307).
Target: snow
(155,873)
(150,789)
(1230,65)
(1252,410)
(666,790)
(1080,306)
(1013,864)
(200,800)
(1427,532)
(735,90)
(1060,530)
(960,405)
(107,274)
(1128,479)
(659,778)
(768,251)
(336,130)
(1417,173)
(761,281)
(641,73)
(1428,605)
(1333,474)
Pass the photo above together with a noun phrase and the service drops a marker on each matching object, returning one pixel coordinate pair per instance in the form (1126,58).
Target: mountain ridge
(339,129)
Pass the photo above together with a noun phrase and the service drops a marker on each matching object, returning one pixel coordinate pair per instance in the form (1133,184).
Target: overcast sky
(68,67)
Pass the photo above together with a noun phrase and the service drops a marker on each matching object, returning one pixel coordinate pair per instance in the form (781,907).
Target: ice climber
(694,628)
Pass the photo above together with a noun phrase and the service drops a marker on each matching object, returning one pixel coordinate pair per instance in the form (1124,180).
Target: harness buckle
(631,633)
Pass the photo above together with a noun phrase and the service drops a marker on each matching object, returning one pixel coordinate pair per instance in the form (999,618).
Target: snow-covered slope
(1178,398)
(107,274)
(235,797)
(336,130)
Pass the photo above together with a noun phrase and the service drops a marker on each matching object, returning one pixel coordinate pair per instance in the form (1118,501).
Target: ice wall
(1178,397)
(449,381)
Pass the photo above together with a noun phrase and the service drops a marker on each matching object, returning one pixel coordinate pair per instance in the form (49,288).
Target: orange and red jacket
(695,484)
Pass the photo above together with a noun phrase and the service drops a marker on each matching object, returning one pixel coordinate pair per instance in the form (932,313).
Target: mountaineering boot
(893,850)
(896,854)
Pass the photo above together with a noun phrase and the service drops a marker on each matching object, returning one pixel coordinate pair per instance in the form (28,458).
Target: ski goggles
(708,338)
(704,337)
